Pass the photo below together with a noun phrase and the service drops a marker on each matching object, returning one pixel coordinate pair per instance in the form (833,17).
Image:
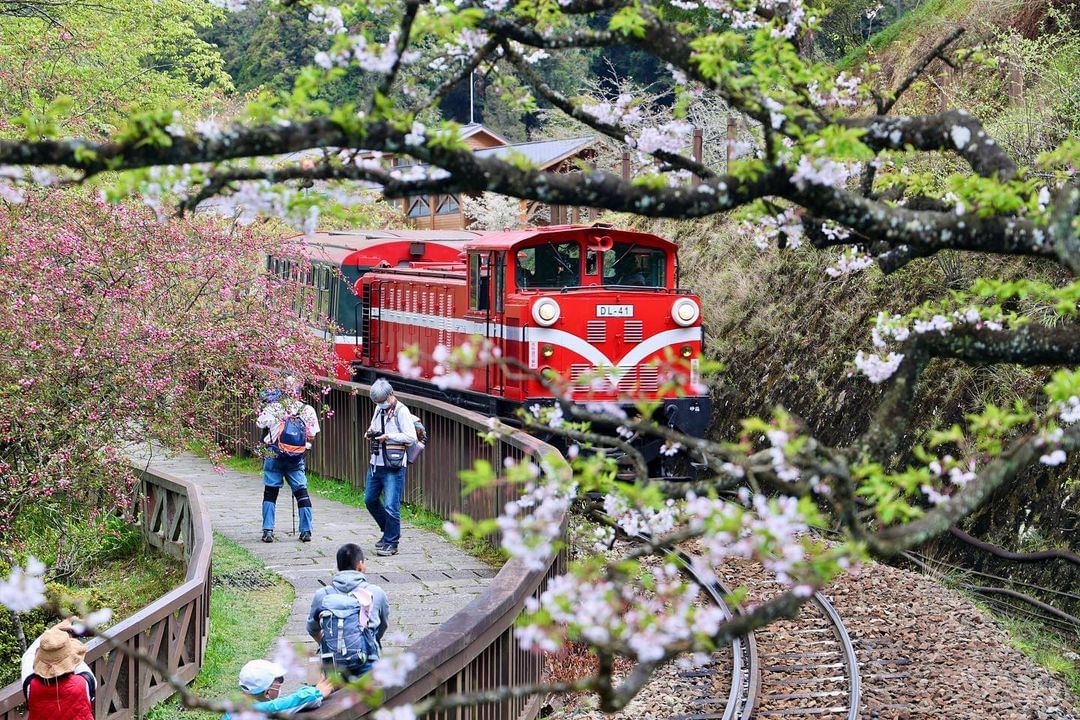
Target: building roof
(474,128)
(542,153)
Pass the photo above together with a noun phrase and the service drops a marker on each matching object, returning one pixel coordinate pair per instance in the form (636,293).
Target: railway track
(742,666)
(790,669)
(808,666)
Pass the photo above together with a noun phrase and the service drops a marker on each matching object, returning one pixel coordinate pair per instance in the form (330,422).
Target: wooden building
(444,212)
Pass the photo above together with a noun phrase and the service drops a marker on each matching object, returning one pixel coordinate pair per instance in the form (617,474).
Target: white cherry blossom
(877,368)
(24,588)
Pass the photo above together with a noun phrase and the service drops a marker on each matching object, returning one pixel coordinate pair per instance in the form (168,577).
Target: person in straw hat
(57,683)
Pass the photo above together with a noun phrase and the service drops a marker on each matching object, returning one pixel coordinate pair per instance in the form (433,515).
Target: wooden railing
(475,649)
(173,629)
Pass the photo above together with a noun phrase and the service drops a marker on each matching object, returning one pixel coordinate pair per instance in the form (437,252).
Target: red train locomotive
(598,306)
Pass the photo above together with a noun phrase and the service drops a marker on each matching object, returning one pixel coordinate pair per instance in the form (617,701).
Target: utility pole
(472,83)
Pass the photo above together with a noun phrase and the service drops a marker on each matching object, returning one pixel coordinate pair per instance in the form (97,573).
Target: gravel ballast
(924,651)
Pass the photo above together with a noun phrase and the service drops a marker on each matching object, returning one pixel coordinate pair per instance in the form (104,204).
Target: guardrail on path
(172,629)
(474,650)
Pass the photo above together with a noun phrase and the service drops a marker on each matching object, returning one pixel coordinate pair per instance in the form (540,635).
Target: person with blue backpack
(349,617)
(290,425)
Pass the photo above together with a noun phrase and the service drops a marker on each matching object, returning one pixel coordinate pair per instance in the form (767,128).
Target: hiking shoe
(268,536)
(386,550)
(305,537)
(380,544)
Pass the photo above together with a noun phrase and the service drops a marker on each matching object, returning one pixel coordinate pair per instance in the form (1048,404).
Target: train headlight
(686,351)
(547,351)
(545,311)
(685,312)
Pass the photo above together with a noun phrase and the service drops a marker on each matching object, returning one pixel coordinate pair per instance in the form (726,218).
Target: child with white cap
(263,679)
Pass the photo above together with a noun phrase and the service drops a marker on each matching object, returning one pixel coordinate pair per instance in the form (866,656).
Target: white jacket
(272,415)
(400,428)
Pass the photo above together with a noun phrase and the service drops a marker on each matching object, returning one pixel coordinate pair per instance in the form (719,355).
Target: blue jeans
(382,495)
(275,471)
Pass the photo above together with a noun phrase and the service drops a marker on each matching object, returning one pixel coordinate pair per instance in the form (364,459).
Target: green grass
(243,625)
(913,23)
(412,513)
(1046,648)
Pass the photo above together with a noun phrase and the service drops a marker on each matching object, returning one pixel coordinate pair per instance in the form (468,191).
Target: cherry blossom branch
(641,471)
(1029,345)
(404,32)
(466,70)
(894,226)
(954,130)
(964,501)
(613,131)
(218,181)
(503,28)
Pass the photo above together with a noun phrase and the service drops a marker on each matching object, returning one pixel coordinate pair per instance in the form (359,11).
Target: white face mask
(383,405)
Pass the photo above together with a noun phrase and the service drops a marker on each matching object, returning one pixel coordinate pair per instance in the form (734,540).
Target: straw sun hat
(58,653)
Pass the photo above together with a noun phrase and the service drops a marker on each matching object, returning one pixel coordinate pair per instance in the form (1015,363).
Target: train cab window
(592,262)
(628,264)
(549,265)
(479,281)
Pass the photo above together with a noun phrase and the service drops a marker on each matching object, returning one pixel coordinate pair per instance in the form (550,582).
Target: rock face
(924,651)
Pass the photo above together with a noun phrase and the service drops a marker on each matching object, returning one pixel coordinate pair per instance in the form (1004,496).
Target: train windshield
(629,264)
(554,265)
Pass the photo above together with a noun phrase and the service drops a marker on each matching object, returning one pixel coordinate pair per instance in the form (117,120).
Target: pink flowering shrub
(118,329)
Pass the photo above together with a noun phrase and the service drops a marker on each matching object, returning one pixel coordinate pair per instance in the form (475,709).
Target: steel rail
(745,673)
(848,650)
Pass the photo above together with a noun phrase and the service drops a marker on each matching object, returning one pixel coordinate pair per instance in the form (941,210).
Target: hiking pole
(293,515)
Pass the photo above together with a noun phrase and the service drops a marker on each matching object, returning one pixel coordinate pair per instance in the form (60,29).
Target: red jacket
(68,697)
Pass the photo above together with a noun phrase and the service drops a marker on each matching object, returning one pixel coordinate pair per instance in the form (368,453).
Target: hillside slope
(788,333)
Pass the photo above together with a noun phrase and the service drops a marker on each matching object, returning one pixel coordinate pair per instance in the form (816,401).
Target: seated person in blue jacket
(263,680)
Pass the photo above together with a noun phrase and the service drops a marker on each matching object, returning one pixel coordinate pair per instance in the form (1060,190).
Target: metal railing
(474,650)
(173,629)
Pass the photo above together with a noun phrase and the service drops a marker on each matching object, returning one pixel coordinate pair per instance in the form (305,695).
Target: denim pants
(275,471)
(382,495)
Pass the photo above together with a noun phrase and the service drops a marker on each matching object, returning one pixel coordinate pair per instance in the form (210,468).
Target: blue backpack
(348,640)
(291,437)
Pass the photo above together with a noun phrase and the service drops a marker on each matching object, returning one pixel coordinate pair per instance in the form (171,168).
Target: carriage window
(635,266)
(500,284)
(550,265)
(478,281)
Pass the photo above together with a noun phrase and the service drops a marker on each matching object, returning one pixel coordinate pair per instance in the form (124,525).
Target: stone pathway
(429,579)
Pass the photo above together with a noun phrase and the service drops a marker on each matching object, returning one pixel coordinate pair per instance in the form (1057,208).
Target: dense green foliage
(108,59)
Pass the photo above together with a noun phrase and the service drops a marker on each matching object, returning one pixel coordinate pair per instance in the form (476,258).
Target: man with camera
(391,433)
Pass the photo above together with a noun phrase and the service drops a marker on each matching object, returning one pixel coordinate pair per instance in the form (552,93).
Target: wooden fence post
(730,142)
(697,149)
